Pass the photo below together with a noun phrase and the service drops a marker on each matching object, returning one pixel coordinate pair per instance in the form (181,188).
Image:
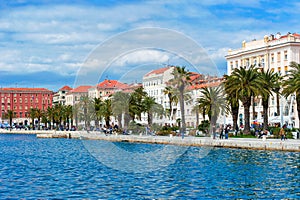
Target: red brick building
(20,100)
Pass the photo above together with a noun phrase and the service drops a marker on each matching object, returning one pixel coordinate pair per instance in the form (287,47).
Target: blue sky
(45,43)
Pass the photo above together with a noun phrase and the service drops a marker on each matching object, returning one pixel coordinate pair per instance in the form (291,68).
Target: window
(285,69)
(263,62)
(285,55)
(272,57)
(278,56)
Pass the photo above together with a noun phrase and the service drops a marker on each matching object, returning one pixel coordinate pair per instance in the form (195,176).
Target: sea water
(66,168)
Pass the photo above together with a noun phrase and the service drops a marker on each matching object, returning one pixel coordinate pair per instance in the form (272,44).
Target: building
(21,100)
(60,96)
(154,83)
(274,53)
(106,88)
(73,96)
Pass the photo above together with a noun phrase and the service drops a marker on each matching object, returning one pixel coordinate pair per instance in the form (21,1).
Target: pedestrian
(282,133)
(227,131)
(222,132)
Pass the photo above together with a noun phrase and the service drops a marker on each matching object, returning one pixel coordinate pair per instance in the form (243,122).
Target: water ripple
(64,169)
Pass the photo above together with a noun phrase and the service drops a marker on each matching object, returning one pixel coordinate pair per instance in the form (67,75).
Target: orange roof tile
(26,89)
(65,88)
(158,71)
(81,89)
(107,84)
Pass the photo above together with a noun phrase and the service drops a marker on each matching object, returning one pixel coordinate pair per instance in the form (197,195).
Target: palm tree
(181,81)
(173,99)
(106,110)
(68,111)
(291,84)
(243,84)
(38,115)
(50,115)
(135,103)
(32,113)
(270,81)
(85,104)
(98,114)
(10,116)
(151,107)
(232,100)
(212,98)
(120,104)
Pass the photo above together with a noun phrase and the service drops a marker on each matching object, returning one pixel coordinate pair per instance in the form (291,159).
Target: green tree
(181,81)
(120,107)
(243,84)
(50,116)
(106,110)
(88,108)
(212,98)
(270,81)
(10,116)
(32,113)
(98,115)
(68,112)
(291,84)
(151,108)
(136,107)
(173,99)
(232,100)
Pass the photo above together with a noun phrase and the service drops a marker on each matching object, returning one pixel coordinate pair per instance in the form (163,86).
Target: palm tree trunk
(253,108)
(120,120)
(246,104)
(183,125)
(277,104)
(235,113)
(265,104)
(298,103)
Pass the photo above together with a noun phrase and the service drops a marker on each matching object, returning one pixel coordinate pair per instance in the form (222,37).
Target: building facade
(274,52)
(60,96)
(21,100)
(106,88)
(73,96)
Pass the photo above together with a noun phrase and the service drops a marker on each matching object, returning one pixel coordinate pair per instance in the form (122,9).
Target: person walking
(222,132)
(282,133)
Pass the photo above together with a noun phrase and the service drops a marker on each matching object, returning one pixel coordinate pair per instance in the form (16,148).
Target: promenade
(241,143)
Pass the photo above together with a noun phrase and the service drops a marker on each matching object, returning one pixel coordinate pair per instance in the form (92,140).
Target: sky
(50,43)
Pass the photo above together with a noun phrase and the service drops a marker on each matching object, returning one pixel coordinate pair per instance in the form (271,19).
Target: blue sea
(32,168)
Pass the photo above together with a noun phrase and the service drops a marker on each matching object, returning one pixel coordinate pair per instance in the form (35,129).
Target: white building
(154,83)
(73,96)
(274,53)
(60,96)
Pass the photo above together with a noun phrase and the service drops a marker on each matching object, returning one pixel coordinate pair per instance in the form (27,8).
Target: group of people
(222,131)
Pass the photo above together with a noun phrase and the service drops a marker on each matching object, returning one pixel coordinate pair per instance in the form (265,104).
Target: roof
(81,89)
(25,90)
(158,71)
(108,84)
(65,88)
(214,84)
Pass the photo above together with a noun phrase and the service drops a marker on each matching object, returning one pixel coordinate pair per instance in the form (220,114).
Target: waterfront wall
(241,143)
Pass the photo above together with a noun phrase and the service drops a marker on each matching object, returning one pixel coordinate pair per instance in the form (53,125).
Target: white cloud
(143,56)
